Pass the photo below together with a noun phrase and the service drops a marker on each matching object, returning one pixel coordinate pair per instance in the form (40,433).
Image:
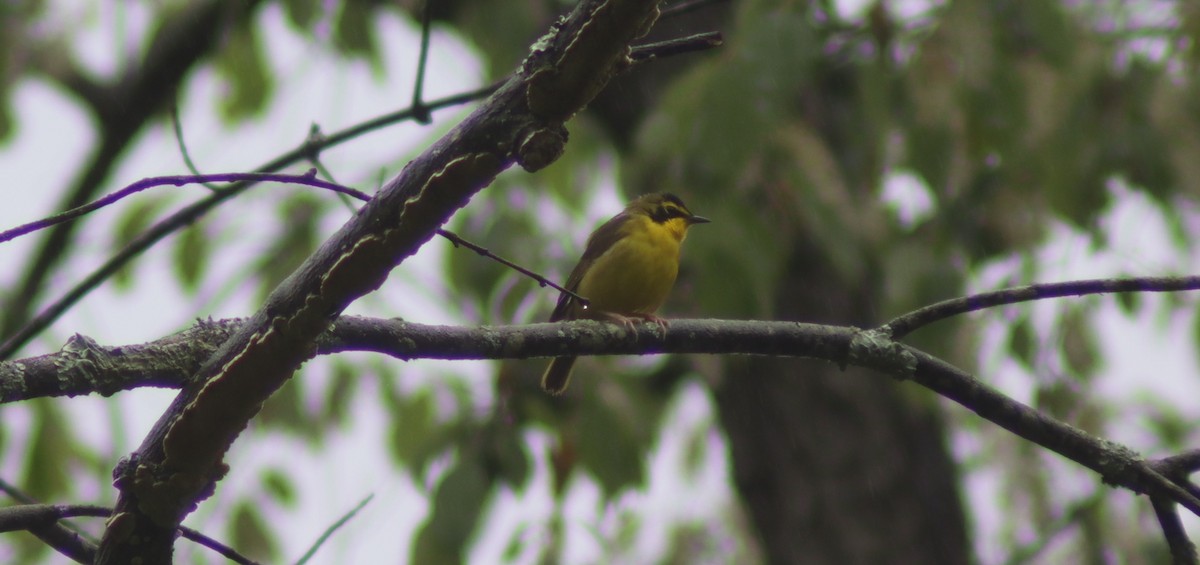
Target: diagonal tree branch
(308,150)
(901,326)
(191,213)
(180,461)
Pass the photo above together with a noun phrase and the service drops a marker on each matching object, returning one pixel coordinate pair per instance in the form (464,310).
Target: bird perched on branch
(626,271)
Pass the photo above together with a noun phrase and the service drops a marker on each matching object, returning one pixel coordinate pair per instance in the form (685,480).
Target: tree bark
(838,466)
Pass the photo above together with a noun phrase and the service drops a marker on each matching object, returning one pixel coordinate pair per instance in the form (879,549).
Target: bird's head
(666,209)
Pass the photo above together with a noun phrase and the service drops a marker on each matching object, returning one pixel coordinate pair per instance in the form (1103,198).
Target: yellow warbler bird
(626,271)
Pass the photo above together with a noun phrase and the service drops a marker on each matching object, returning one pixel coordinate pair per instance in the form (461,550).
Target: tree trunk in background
(838,466)
(832,466)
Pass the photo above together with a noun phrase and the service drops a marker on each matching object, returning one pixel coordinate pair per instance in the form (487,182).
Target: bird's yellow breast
(636,274)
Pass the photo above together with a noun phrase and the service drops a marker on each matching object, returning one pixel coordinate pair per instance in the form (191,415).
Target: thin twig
(15,493)
(195,211)
(183,150)
(1185,463)
(309,178)
(225,551)
(542,281)
(331,529)
(190,214)
(699,42)
(35,516)
(420,112)
(1179,467)
(1183,551)
(680,8)
(124,108)
(906,324)
(458,241)
(64,536)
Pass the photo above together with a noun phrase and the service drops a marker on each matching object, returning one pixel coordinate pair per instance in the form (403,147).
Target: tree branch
(1116,464)
(63,536)
(122,109)
(1183,552)
(180,460)
(308,150)
(309,179)
(906,324)
(193,212)
(37,517)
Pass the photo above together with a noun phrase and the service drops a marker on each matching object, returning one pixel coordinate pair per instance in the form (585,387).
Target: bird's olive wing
(600,241)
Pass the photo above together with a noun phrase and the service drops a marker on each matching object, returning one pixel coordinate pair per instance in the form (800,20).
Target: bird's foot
(625,321)
(630,322)
(662,323)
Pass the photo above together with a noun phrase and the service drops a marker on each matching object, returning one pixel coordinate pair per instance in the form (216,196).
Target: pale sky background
(1152,356)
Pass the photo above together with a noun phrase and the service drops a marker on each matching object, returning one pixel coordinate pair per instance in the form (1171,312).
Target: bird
(627,270)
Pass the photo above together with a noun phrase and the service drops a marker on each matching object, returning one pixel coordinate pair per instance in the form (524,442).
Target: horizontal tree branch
(61,535)
(1116,464)
(38,517)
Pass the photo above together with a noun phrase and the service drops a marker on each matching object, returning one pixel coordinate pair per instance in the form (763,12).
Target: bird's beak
(697,220)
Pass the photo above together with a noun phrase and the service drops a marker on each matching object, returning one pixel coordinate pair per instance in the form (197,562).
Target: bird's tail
(558,375)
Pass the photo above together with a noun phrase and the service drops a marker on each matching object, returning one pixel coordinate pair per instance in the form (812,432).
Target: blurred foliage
(136,216)
(354,32)
(1015,116)
(248,77)
(252,535)
(192,253)
(298,237)
(279,486)
(456,507)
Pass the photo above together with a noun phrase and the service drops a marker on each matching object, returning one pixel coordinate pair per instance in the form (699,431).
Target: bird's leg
(613,317)
(662,323)
(629,322)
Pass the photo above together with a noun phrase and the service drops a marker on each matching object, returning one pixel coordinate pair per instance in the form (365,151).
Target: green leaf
(279,486)
(7,123)
(613,438)
(354,32)
(344,382)
(500,29)
(1058,398)
(515,544)
(52,449)
(248,77)
(1171,427)
(1129,302)
(1022,342)
(302,13)
(1079,344)
(417,436)
(507,459)
(251,535)
(297,240)
(456,509)
(135,217)
(285,410)
(695,451)
(192,249)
